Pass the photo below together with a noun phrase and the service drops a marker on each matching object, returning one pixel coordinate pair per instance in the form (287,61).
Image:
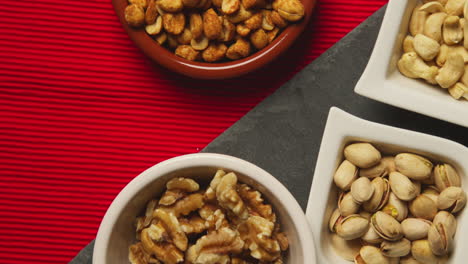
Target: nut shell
(362,190)
(403,187)
(421,251)
(386,226)
(445,176)
(440,241)
(352,227)
(448,220)
(371,255)
(380,196)
(347,205)
(396,249)
(415,228)
(345,175)
(452,199)
(423,207)
(363,155)
(413,166)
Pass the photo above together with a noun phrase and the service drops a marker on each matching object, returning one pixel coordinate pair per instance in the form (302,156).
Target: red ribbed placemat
(83,112)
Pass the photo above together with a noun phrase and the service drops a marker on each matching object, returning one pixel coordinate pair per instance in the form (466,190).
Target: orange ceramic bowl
(203,70)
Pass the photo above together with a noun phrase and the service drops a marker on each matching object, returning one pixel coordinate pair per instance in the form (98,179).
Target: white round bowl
(116,232)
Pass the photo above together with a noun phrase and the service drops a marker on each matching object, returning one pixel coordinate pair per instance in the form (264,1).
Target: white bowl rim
(202,160)
(374,84)
(341,125)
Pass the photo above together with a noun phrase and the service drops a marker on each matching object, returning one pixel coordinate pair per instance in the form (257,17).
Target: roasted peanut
(272,34)
(230,6)
(240,49)
(278,20)
(242,30)
(142,3)
(151,13)
(229,31)
(185,37)
(211,24)
(135,15)
(172,6)
(240,15)
(196,25)
(253,3)
(174,23)
(161,38)
(214,52)
(191,3)
(199,43)
(291,10)
(259,39)
(267,21)
(254,22)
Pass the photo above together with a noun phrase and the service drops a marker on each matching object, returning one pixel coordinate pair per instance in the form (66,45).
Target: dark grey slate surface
(283,133)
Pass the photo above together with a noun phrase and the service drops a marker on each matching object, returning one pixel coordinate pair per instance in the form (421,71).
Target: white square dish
(342,129)
(383,82)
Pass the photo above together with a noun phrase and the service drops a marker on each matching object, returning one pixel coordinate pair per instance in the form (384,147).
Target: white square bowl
(383,82)
(342,129)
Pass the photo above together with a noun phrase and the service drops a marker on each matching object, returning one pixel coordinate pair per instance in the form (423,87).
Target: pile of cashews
(436,49)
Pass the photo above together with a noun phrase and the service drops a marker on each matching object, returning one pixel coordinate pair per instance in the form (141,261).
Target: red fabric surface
(82,112)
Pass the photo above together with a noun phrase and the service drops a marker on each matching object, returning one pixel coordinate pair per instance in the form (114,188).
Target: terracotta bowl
(201,70)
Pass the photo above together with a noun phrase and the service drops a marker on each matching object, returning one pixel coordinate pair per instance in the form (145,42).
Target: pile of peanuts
(213,30)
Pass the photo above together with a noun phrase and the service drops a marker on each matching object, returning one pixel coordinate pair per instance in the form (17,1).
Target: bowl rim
(341,126)
(203,70)
(375,84)
(202,160)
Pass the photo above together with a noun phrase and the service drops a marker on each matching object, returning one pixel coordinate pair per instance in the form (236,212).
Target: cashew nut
(465,31)
(408,44)
(452,70)
(464,78)
(452,32)
(417,21)
(154,28)
(455,7)
(425,47)
(445,50)
(413,66)
(161,38)
(458,91)
(432,7)
(433,26)
(465,9)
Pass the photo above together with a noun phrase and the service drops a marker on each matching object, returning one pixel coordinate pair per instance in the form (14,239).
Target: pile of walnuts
(229,222)
(213,30)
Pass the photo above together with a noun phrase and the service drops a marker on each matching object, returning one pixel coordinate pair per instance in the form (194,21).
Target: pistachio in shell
(448,220)
(347,205)
(362,190)
(440,241)
(382,169)
(335,218)
(409,260)
(346,249)
(395,207)
(396,249)
(345,175)
(422,252)
(372,237)
(363,155)
(452,199)
(403,187)
(386,226)
(379,197)
(446,176)
(370,255)
(352,227)
(365,214)
(413,166)
(431,192)
(415,228)
(423,207)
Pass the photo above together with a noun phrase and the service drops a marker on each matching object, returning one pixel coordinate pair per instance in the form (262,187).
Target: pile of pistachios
(394,209)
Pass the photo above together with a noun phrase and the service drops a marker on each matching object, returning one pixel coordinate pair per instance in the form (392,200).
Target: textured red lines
(82,112)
